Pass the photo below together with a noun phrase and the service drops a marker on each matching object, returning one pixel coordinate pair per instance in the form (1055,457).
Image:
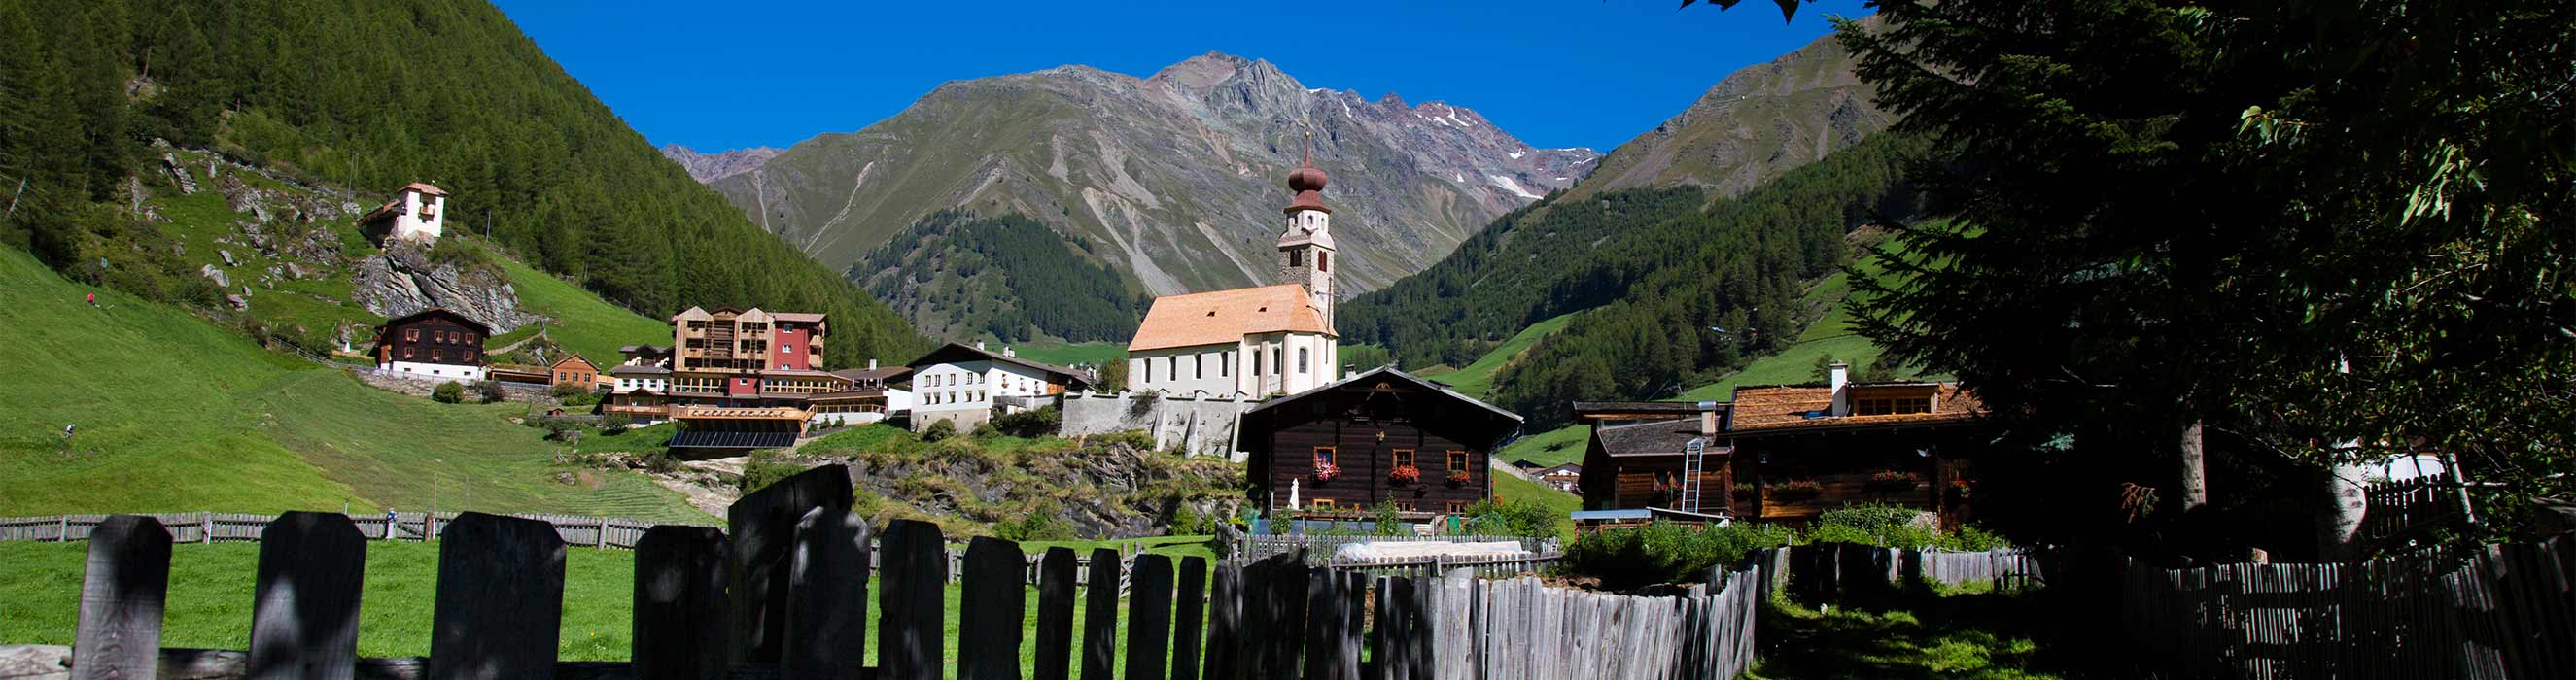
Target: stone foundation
(1196,426)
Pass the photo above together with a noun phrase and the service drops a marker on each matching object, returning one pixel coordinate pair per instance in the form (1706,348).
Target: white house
(418,212)
(968,385)
(1251,342)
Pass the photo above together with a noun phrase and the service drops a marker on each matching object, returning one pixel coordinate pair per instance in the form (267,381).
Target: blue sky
(1557,73)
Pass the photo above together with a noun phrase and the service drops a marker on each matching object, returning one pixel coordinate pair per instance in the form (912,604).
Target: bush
(448,393)
(1516,518)
(568,390)
(1895,527)
(765,468)
(615,424)
(984,430)
(1032,424)
(1666,553)
(1034,526)
(942,429)
(491,391)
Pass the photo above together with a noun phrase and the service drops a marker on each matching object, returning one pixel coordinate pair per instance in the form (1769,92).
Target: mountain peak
(709,167)
(1203,71)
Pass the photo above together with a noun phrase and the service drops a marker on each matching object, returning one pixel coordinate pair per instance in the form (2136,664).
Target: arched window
(1296,258)
(1323,261)
(1301,360)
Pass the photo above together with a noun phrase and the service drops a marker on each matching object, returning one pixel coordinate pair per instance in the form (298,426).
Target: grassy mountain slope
(176,414)
(1008,277)
(581,321)
(1477,379)
(310,90)
(1757,123)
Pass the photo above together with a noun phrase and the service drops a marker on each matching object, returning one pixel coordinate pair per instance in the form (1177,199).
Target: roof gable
(1381,374)
(478,326)
(957,353)
(1223,317)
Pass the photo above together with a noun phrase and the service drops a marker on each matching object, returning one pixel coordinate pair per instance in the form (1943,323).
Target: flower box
(1404,474)
(1797,490)
(1458,476)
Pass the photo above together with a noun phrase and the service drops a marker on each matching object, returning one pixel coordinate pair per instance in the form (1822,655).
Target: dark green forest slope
(373,95)
(1670,289)
(959,276)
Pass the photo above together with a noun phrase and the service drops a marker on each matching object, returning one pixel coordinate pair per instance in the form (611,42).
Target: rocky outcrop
(402,280)
(709,167)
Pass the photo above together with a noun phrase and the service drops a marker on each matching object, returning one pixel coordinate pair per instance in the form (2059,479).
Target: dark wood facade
(433,336)
(1789,454)
(1367,426)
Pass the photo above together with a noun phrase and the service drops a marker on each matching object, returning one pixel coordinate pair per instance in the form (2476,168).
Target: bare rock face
(178,174)
(709,167)
(244,198)
(217,275)
(402,281)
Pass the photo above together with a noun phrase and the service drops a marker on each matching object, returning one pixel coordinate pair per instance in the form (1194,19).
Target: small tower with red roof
(1306,246)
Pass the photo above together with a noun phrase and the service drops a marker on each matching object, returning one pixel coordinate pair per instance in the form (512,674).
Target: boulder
(179,174)
(209,271)
(402,281)
(228,258)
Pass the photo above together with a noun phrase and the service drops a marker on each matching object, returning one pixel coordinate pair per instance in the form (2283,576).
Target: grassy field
(211,588)
(1508,489)
(1560,445)
(1477,379)
(1062,354)
(583,322)
(176,414)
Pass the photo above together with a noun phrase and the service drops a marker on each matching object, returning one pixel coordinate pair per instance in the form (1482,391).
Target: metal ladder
(1691,454)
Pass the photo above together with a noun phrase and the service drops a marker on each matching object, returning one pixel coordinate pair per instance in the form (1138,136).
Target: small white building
(968,385)
(418,213)
(1251,342)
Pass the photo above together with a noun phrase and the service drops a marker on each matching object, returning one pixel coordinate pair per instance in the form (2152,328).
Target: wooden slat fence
(1832,572)
(213,527)
(2504,612)
(782,592)
(1489,567)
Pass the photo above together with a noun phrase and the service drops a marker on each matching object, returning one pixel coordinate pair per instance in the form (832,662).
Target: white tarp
(1376,550)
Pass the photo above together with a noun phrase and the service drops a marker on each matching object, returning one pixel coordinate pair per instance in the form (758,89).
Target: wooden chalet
(432,343)
(1380,437)
(1788,453)
(574,370)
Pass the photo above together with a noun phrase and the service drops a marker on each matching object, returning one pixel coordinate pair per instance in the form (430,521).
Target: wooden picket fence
(1256,547)
(1490,567)
(2506,611)
(214,527)
(782,592)
(1830,572)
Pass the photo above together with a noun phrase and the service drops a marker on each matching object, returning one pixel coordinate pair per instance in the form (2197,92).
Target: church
(1251,342)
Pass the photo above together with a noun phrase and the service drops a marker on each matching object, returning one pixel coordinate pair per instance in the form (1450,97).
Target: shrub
(1034,526)
(491,391)
(448,393)
(1666,553)
(1386,523)
(567,390)
(985,430)
(942,429)
(1516,518)
(765,468)
(1031,424)
(615,424)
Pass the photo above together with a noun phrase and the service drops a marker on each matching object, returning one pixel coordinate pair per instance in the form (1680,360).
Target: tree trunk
(2195,475)
(2339,520)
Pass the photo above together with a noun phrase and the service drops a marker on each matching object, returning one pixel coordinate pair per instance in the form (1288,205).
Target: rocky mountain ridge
(1756,123)
(1176,175)
(709,167)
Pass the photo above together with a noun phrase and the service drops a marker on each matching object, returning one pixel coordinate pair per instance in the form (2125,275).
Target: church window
(1302,363)
(1149,370)
(1296,258)
(1225,365)
(1323,261)
(1257,368)
(1277,357)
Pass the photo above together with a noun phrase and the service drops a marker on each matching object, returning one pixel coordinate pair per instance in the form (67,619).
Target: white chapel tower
(1306,246)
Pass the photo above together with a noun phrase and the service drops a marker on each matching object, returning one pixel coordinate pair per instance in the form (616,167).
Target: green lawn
(1508,489)
(209,603)
(583,322)
(1560,445)
(1176,546)
(1063,354)
(178,415)
(1477,379)
(1984,636)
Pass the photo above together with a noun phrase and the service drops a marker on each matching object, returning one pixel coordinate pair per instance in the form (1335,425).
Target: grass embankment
(582,322)
(209,603)
(1981,635)
(176,414)
(1067,354)
(1510,489)
(1477,379)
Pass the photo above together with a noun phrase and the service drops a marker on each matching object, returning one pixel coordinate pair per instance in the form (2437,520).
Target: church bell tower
(1306,246)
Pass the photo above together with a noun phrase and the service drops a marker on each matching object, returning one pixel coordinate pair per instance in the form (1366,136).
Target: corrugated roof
(1652,438)
(1225,316)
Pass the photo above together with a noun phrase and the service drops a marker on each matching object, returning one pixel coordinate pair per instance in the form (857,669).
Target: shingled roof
(1223,317)
(1652,438)
(1804,407)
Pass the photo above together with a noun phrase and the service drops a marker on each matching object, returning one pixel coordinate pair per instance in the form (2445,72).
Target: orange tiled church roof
(1225,316)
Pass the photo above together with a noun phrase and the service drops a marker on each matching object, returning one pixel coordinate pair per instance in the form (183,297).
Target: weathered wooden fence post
(914,576)
(500,599)
(122,593)
(1100,616)
(827,598)
(762,530)
(1185,618)
(1055,615)
(304,618)
(990,610)
(1225,615)
(1323,624)
(1149,617)
(680,610)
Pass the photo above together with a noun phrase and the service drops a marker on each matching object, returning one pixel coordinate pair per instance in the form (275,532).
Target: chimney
(872,364)
(1708,418)
(1842,389)
(1008,352)
(979,344)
